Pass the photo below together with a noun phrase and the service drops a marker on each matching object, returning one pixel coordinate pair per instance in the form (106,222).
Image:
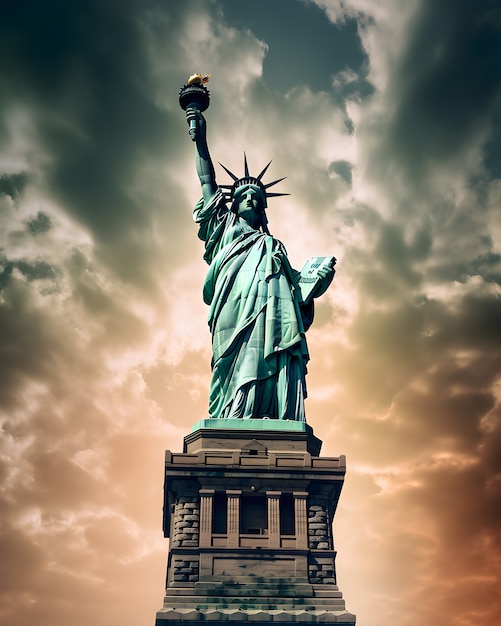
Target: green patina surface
(252,424)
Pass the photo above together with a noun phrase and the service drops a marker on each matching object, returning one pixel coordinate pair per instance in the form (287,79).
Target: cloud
(105,350)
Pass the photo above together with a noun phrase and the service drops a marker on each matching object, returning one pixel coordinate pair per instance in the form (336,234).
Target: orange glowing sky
(385,118)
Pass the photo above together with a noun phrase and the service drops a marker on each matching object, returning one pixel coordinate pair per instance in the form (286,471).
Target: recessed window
(287,517)
(253,515)
(220,513)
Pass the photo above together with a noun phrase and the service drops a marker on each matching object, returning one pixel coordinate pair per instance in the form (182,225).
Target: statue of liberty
(257,314)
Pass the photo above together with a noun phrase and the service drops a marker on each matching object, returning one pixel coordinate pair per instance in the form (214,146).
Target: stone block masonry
(186,522)
(321,571)
(318,525)
(185,571)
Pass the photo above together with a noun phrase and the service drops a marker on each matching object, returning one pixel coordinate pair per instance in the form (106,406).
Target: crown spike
(263,172)
(248,179)
(235,178)
(274,182)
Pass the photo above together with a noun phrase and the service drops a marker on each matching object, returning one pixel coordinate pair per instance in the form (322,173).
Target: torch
(194,95)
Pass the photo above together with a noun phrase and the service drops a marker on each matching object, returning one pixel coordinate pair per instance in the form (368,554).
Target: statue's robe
(256,319)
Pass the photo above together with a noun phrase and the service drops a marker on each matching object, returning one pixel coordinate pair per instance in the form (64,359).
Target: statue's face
(250,204)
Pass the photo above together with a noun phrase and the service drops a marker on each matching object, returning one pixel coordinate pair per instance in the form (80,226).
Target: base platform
(249,509)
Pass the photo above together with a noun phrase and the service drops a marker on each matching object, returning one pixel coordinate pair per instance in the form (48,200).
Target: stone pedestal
(248,507)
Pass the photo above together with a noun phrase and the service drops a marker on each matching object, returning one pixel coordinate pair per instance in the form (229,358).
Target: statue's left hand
(326,275)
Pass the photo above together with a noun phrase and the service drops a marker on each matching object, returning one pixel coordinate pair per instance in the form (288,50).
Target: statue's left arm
(308,308)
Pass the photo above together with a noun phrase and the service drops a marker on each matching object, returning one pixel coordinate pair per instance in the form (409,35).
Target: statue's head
(248,196)
(249,202)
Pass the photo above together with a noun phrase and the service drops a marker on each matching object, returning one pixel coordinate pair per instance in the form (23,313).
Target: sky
(385,118)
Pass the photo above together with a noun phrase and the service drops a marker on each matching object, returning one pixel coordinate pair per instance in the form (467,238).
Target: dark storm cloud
(13,185)
(82,73)
(288,27)
(447,84)
(40,346)
(39,224)
(343,169)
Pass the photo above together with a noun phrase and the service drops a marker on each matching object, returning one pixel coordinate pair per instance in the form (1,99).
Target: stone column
(301,519)
(233,517)
(206,496)
(273,501)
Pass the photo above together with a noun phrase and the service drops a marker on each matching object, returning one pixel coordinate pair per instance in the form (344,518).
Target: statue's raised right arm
(205,168)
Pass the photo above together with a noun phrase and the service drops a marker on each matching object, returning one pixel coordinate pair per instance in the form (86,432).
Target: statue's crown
(248,179)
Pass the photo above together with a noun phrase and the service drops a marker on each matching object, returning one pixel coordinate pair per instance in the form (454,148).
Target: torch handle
(193,124)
